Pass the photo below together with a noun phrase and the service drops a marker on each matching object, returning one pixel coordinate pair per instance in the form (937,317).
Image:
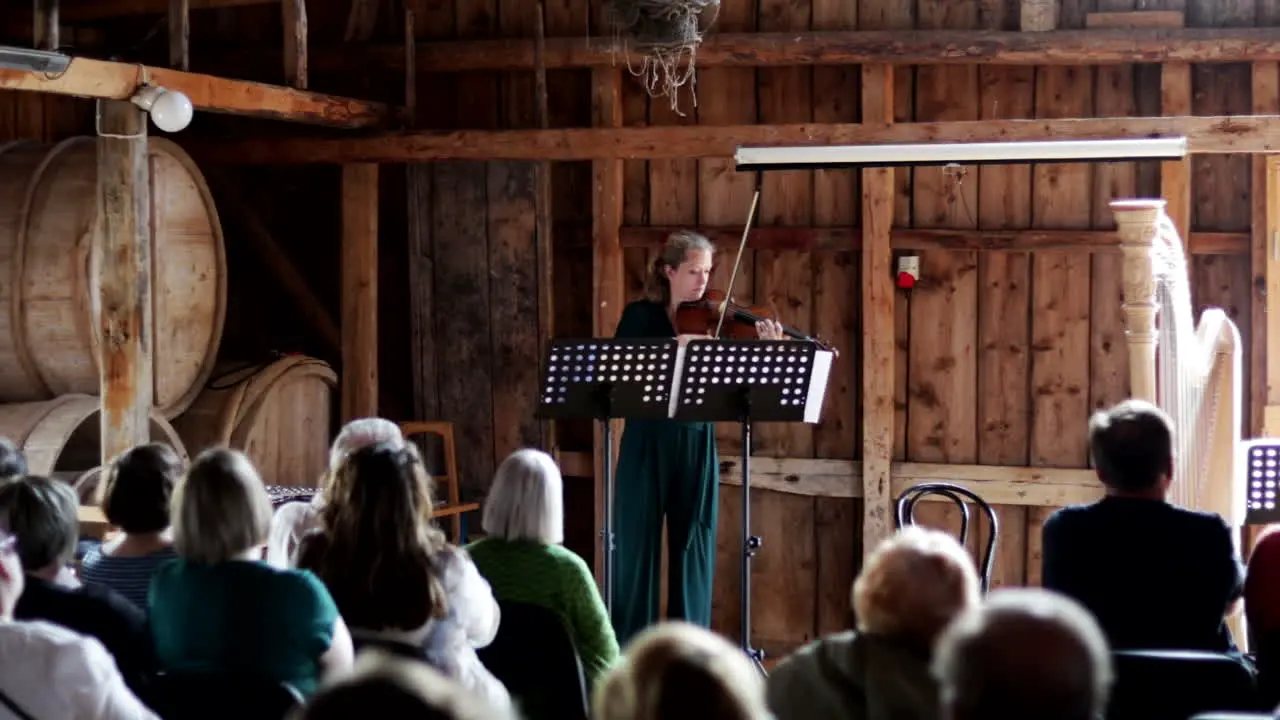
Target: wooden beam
(293,14)
(608,281)
(359,291)
(180,34)
(855,47)
(105,80)
(878,334)
(998,484)
(124,281)
(812,239)
(84,11)
(1205,135)
(1175,175)
(45,24)
(1271,272)
(1264,301)
(1136,19)
(542,215)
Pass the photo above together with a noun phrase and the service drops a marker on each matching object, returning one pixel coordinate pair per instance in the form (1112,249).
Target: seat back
(217,696)
(534,656)
(1177,684)
(905,514)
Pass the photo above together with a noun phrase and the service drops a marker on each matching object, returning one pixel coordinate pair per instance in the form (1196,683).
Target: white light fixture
(942,153)
(170,110)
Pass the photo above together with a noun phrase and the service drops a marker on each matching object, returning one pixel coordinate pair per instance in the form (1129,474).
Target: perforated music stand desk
(603,380)
(746,381)
(1259,461)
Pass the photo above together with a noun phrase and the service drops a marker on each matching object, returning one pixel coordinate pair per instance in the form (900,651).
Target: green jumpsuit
(664,467)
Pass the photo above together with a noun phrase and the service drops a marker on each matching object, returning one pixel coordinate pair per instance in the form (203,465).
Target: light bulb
(171,111)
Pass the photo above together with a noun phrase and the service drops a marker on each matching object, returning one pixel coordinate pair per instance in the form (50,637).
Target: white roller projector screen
(985,153)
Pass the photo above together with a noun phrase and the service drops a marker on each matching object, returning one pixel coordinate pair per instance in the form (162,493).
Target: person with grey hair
(1023,653)
(42,514)
(293,520)
(524,561)
(50,671)
(218,608)
(911,586)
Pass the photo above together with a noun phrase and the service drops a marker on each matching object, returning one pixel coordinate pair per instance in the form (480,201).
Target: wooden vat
(278,413)
(49,332)
(62,437)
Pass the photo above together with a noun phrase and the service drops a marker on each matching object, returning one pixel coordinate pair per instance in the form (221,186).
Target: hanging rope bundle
(667,33)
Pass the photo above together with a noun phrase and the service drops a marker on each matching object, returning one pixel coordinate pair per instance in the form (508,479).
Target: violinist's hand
(769,329)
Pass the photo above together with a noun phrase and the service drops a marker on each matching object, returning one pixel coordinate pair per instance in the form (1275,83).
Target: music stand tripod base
(604,380)
(746,381)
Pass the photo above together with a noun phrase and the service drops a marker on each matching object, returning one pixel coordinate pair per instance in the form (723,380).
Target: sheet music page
(675,382)
(822,360)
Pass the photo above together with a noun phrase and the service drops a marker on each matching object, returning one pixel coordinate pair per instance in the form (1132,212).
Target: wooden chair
(453,506)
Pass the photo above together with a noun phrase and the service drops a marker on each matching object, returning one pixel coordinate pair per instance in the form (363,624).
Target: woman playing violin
(668,467)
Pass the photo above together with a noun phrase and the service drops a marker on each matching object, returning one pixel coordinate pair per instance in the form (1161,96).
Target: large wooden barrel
(63,437)
(49,256)
(278,413)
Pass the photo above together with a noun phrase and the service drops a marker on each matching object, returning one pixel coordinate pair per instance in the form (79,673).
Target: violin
(716,316)
(702,317)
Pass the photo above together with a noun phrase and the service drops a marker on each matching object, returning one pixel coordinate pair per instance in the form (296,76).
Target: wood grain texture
(359,278)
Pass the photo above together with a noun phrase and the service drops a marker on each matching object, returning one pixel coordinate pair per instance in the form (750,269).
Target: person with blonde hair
(294,519)
(677,670)
(911,586)
(524,561)
(1024,653)
(218,608)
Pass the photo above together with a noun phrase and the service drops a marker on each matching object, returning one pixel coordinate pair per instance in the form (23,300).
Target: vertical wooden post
(180,34)
(608,282)
(44,31)
(359,290)
(542,211)
(124,279)
(410,68)
(1175,175)
(293,14)
(878,340)
(1264,371)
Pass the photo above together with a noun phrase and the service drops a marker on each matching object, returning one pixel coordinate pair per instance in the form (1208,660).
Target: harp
(1191,370)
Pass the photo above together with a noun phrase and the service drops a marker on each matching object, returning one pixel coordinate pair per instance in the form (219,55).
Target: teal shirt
(241,616)
(555,578)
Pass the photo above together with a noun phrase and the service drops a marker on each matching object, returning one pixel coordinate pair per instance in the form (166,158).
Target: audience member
(218,608)
(43,514)
(139,486)
(909,589)
(295,519)
(1262,612)
(394,577)
(12,462)
(398,688)
(1023,653)
(1156,576)
(524,561)
(677,670)
(48,671)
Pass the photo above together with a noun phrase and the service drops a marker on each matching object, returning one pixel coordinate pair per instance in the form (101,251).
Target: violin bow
(746,230)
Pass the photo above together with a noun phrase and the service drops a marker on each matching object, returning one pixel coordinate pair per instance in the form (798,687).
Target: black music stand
(746,381)
(1259,461)
(603,380)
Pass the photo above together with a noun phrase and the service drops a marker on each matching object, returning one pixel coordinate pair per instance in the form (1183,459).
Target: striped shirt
(129,576)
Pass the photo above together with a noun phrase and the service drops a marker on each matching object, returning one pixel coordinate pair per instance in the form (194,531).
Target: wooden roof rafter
(897,47)
(1205,135)
(100,79)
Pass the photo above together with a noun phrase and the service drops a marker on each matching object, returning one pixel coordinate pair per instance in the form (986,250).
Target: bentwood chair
(905,514)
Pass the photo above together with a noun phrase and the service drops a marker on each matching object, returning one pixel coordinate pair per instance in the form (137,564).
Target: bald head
(1024,653)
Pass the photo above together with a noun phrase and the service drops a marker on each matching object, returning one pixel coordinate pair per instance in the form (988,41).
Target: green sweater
(555,578)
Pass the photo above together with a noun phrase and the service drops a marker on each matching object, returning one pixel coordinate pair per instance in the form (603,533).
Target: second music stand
(746,381)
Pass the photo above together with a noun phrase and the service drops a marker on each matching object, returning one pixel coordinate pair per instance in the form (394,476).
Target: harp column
(1138,224)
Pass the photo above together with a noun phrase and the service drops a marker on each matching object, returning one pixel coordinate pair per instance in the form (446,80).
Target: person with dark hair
(41,514)
(139,485)
(12,462)
(1154,574)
